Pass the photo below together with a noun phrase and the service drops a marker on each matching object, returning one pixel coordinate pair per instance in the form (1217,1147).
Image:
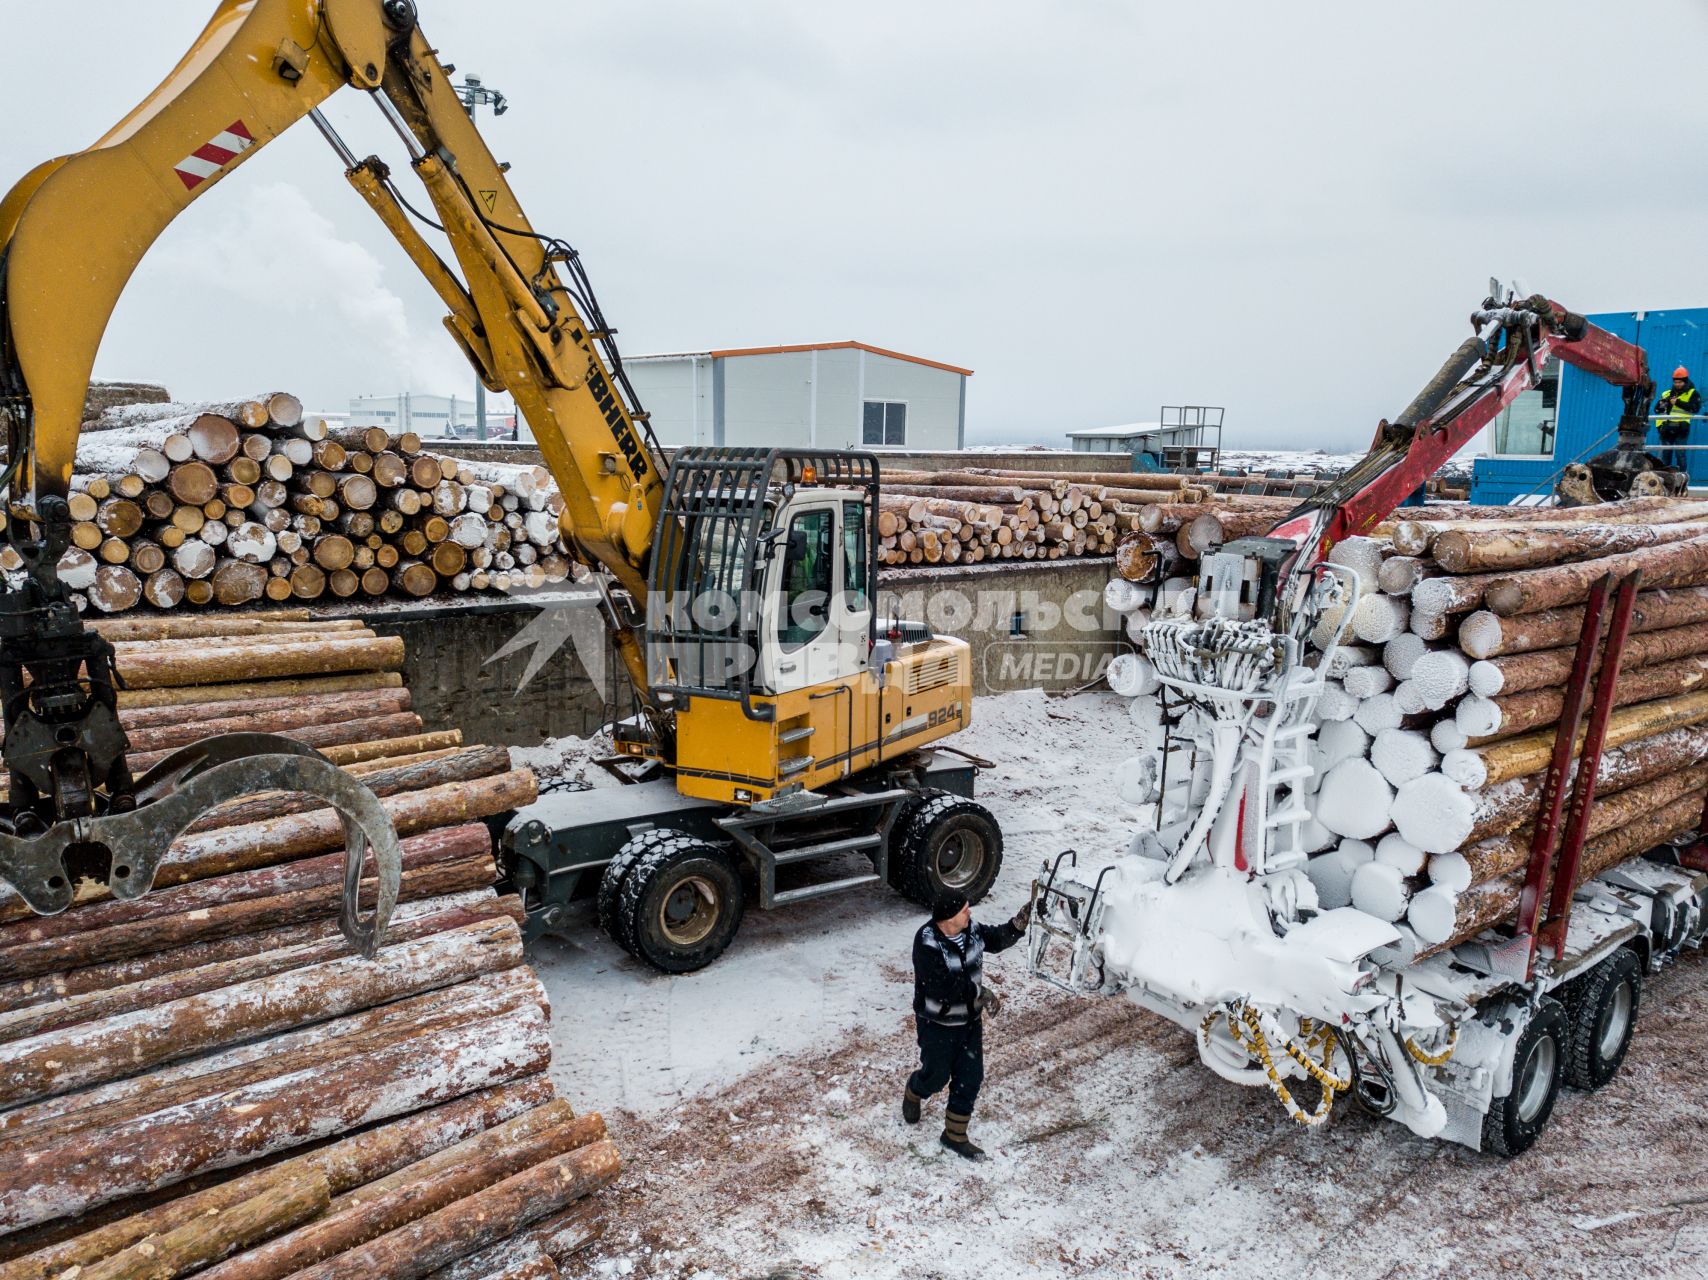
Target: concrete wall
(456,682)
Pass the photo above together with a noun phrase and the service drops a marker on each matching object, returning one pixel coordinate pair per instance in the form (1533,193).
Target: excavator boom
(71,234)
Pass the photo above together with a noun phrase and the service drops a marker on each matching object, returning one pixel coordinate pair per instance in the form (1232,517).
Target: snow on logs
(1441,708)
(237,503)
(207,1078)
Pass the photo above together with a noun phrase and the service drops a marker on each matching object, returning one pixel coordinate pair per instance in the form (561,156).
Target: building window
(885,423)
(1525,428)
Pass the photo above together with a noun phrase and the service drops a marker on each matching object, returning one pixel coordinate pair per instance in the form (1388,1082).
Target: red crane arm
(1487,372)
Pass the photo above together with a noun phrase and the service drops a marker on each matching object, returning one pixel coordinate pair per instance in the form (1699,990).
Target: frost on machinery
(792,729)
(1211,920)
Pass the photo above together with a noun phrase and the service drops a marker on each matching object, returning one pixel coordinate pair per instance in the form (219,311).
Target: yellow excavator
(781,720)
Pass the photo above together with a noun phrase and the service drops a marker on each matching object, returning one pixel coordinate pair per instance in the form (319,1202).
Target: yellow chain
(1434,1059)
(1250,1038)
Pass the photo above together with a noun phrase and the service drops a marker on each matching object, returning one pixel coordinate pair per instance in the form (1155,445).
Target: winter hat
(946,906)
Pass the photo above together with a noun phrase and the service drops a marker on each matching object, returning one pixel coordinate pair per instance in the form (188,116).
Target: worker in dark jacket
(949,1004)
(1673,413)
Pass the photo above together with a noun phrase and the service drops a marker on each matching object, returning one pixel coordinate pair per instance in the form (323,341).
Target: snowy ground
(756,1105)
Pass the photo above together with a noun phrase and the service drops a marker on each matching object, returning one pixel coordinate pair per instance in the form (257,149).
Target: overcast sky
(1100,207)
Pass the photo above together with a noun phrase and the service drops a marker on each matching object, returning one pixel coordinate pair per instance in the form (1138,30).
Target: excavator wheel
(681,903)
(1601,1012)
(949,844)
(1515,1122)
(610,897)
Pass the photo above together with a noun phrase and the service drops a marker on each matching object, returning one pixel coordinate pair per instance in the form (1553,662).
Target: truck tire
(948,845)
(610,897)
(1601,1012)
(898,835)
(1515,1122)
(681,904)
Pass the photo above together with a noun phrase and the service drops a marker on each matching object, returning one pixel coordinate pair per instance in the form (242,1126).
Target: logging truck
(777,719)
(1519,969)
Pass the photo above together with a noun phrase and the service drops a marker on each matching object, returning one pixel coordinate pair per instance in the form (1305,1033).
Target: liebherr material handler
(1211,920)
(784,722)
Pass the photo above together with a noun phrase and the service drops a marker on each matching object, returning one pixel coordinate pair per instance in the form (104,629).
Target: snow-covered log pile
(177,505)
(208,1079)
(1445,694)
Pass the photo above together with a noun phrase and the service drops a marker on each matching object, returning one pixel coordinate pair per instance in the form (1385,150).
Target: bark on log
(1508,805)
(1495,857)
(1496,901)
(92,1112)
(75,1057)
(1522,712)
(1487,635)
(422,1188)
(1675,564)
(1449,594)
(218,1234)
(1518,757)
(346,1164)
(304,944)
(1532,546)
(224,664)
(1522,672)
(274,715)
(273,1115)
(440,1238)
(177,695)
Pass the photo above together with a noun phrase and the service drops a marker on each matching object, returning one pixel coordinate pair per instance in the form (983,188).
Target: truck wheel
(949,845)
(612,919)
(681,903)
(1515,1122)
(898,835)
(1602,1012)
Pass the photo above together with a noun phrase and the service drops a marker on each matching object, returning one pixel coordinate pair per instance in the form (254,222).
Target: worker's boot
(955,1137)
(910,1105)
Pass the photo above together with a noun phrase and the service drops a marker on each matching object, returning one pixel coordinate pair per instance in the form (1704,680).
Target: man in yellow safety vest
(1673,414)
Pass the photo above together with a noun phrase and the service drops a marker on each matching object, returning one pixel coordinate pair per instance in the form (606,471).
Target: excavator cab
(762,632)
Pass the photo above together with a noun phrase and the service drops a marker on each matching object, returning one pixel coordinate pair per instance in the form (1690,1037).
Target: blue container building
(1573,416)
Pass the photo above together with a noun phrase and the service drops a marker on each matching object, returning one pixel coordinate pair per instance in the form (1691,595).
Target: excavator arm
(71,234)
(1513,342)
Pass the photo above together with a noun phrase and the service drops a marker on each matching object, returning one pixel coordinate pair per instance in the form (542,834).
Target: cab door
(817,609)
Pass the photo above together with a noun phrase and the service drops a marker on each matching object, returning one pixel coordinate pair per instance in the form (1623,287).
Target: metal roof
(803,346)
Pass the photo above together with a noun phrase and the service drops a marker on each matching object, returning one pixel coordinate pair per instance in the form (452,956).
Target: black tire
(898,835)
(681,904)
(1601,1013)
(611,916)
(1538,1066)
(949,845)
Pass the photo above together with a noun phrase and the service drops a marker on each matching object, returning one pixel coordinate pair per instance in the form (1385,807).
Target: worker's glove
(1022,918)
(988,1002)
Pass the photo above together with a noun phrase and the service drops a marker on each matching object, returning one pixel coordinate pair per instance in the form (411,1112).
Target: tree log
(1518,757)
(1520,672)
(1521,712)
(298,945)
(273,1115)
(221,664)
(419,1189)
(1487,635)
(1462,550)
(489,1215)
(217,1234)
(1675,564)
(1495,857)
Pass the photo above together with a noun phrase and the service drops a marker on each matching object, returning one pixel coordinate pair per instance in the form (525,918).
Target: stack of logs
(248,501)
(207,1079)
(1446,692)
(963,517)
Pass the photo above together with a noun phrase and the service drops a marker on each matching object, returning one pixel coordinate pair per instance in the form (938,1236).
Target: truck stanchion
(1542,843)
(1552,932)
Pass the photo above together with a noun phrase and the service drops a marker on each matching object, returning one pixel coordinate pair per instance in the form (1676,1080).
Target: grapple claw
(186,785)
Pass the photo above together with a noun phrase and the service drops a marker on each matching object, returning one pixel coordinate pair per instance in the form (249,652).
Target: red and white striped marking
(220,150)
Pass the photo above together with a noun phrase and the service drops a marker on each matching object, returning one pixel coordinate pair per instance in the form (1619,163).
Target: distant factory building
(435,417)
(834,395)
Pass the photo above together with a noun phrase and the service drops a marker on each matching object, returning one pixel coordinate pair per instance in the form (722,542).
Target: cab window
(808,568)
(854,555)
